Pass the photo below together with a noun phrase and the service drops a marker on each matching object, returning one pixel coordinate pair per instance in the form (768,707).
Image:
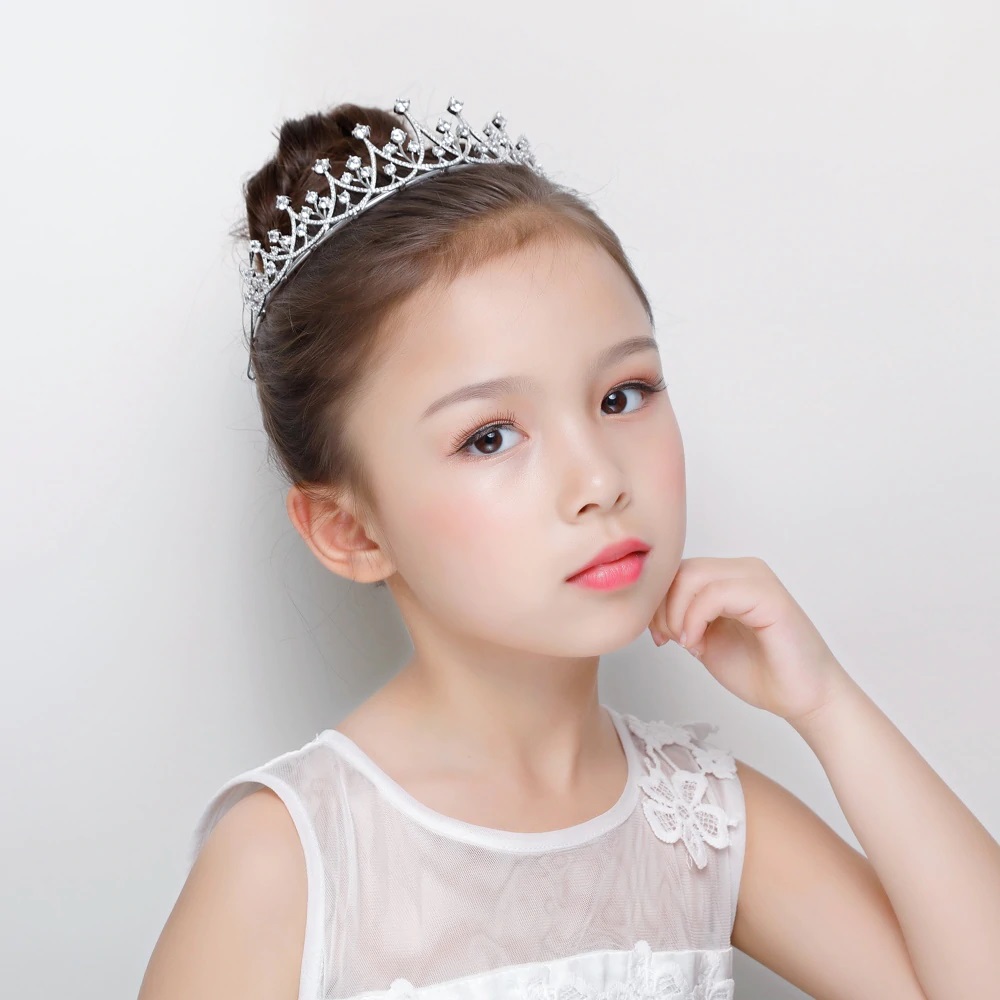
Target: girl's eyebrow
(494,387)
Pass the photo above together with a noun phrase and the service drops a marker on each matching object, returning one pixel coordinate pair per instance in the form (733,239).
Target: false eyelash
(463,440)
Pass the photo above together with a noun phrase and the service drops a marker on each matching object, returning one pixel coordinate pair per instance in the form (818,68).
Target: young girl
(457,372)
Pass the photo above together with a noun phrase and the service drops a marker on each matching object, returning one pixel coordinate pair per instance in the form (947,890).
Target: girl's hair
(326,327)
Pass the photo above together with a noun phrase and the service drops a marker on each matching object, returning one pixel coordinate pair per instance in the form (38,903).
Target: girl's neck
(548,732)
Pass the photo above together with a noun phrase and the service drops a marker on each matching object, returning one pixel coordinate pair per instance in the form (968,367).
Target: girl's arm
(938,864)
(925,903)
(919,917)
(237,930)
(811,907)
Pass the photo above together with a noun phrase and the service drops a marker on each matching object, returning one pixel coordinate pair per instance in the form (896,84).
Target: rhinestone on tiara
(405,160)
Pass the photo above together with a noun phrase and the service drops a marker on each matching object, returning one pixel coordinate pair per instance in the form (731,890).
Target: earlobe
(337,538)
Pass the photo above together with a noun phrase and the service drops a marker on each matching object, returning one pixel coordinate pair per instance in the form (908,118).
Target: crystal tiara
(456,143)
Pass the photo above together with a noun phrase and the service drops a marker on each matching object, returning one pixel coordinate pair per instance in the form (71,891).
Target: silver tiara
(456,142)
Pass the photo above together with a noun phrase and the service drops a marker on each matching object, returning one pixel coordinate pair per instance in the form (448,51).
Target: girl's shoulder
(300,777)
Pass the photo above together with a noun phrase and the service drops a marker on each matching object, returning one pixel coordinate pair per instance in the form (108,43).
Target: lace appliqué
(643,982)
(674,805)
(667,981)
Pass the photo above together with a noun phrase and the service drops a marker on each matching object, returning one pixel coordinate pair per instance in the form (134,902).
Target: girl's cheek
(458,523)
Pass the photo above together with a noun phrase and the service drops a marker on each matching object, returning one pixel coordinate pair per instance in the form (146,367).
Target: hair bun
(301,142)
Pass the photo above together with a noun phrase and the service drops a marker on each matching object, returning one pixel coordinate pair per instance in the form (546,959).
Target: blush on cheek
(670,478)
(457,538)
(670,472)
(665,478)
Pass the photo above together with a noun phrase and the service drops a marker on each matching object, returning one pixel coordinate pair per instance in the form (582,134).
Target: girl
(459,378)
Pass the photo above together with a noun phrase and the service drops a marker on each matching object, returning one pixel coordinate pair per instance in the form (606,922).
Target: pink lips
(614,566)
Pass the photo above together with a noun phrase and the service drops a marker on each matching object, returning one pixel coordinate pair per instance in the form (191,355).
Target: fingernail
(658,637)
(683,639)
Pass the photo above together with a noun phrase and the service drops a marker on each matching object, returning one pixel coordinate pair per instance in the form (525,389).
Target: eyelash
(463,440)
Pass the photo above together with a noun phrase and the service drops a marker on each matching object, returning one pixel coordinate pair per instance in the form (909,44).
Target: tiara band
(406,161)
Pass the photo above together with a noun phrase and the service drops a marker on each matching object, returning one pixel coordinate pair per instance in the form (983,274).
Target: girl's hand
(737,618)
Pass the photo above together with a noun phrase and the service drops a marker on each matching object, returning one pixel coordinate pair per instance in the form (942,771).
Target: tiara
(454,142)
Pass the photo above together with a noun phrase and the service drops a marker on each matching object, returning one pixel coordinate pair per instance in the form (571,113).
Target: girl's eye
(486,440)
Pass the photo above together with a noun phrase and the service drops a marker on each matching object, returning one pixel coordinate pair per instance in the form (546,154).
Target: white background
(810,193)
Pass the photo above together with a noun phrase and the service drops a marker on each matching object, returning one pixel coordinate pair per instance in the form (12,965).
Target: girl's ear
(337,538)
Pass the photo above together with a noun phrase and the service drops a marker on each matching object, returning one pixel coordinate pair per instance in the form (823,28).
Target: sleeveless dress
(405,903)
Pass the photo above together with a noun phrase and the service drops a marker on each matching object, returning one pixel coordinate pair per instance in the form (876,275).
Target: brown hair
(325,328)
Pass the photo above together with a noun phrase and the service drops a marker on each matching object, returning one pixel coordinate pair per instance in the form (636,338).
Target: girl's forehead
(521,306)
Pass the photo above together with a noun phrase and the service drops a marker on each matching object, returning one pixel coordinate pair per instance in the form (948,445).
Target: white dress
(637,903)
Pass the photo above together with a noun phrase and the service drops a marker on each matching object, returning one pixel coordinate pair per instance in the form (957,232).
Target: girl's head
(362,363)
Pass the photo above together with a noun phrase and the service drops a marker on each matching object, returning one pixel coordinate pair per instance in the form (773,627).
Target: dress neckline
(486,836)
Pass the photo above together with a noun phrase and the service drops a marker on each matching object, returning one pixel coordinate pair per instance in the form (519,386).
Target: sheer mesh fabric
(638,902)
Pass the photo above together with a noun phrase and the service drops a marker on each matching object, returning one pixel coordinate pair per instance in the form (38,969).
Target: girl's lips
(611,576)
(612,553)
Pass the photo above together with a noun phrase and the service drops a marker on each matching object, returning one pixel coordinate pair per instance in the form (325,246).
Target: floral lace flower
(693,736)
(659,734)
(714,760)
(675,805)
(676,810)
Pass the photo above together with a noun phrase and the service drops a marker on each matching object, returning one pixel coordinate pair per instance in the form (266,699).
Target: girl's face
(485,525)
